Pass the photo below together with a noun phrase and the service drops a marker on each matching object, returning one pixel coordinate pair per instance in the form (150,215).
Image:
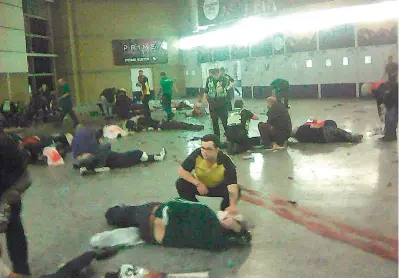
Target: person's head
(222,71)
(61,81)
(215,73)
(141,73)
(163,74)
(239,104)
(44,86)
(270,101)
(390,59)
(210,145)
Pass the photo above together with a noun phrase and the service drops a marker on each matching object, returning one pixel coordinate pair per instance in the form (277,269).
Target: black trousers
(146,106)
(239,135)
(133,216)
(188,191)
(270,135)
(72,114)
(125,160)
(74,267)
(16,241)
(218,109)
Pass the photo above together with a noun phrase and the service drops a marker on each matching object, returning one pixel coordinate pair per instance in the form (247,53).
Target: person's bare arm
(175,88)
(185,175)
(233,194)
(254,117)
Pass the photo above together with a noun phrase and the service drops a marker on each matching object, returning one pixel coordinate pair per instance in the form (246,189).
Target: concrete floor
(355,184)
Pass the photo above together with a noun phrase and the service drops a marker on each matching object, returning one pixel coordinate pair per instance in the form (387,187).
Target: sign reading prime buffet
(140,51)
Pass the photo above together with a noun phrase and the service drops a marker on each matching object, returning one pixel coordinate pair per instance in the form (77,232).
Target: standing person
(391,113)
(278,127)
(65,102)
(167,87)
(280,89)
(215,174)
(145,91)
(46,94)
(391,71)
(216,94)
(230,89)
(13,178)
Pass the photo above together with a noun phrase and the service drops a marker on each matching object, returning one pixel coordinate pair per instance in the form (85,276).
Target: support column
(318,48)
(9,86)
(72,43)
(358,63)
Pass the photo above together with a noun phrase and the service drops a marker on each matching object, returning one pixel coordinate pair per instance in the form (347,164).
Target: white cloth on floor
(118,237)
(223,214)
(112,131)
(53,156)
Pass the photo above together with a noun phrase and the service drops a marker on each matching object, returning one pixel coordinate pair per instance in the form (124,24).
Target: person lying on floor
(90,152)
(237,129)
(33,146)
(327,131)
(183,224)
(278,127)
(139,123)
(71,269)
(199,109)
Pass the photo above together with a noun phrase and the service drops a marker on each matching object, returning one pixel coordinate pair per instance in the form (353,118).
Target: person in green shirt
(65,102)
(182,224)
(167,87)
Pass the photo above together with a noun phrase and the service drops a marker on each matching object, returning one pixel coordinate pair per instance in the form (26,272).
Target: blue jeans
(391,121)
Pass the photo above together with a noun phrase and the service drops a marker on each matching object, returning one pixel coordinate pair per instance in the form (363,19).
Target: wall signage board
(219,11)
(140,51)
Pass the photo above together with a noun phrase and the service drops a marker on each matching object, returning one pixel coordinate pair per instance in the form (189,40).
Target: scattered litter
(118,237)
(248,157)
(230,263)
(195,138)
(290,178)
(348,154)
(389,184)
(294,203)
(338,105)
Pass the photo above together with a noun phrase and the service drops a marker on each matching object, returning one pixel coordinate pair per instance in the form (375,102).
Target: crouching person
(237,129)
(92,154)
(182,224)
(278,127)
(214,175)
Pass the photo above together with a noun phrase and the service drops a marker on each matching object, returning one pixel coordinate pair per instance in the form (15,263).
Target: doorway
(134,73)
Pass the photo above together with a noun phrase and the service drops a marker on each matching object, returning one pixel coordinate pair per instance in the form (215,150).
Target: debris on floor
(389,184)
(248,157)
(338,105)
(290,178)
(294,203)
(195,138)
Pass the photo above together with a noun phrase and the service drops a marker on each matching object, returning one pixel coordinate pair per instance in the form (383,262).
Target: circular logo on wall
(211,9)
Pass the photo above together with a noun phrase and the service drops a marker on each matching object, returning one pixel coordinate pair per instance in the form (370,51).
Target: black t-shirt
(392,70)
(223,172)
(12,164)
(307,134)
(279,119)
(109,94)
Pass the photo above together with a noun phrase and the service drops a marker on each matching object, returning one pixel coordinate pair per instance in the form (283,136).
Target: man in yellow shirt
(145,90)
(214,175)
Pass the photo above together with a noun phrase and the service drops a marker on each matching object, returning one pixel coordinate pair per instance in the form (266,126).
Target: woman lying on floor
(33,146)
(181,223)
(91,153)
(140,123)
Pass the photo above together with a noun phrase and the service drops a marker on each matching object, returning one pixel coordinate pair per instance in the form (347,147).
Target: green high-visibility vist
(167,87)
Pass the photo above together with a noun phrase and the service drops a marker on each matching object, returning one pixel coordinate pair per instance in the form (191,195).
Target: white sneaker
(83,170)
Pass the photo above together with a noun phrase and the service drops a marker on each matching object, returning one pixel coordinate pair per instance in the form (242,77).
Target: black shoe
(242,238)
(388,138)
(356,138)
(105,253)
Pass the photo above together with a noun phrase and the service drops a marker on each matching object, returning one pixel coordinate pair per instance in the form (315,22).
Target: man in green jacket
(65,101)
(167,87)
